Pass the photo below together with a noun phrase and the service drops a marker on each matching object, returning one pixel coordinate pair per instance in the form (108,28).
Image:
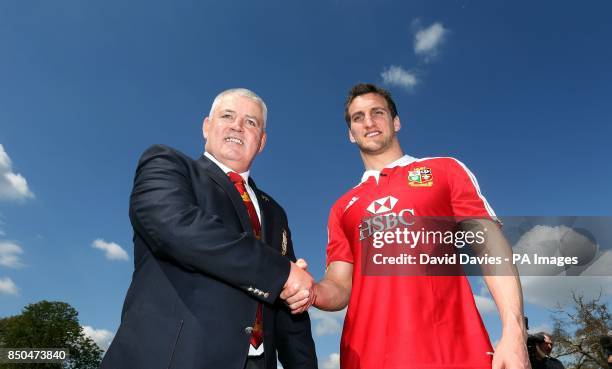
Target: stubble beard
(381,148)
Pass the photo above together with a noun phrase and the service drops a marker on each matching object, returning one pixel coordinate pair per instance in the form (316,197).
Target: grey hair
(244,93)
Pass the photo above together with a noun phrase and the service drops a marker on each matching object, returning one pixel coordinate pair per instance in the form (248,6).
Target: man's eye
(379,112)
(358,118)
(252,122)
(226,116)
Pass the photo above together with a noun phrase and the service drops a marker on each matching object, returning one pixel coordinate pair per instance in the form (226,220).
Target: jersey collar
(401,162)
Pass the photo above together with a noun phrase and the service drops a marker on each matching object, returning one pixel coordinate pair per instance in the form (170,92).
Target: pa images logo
(420,177)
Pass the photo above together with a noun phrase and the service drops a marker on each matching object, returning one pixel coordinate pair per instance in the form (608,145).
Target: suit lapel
(217,175)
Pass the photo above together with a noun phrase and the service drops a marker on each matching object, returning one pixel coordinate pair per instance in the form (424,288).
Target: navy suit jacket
(199,273)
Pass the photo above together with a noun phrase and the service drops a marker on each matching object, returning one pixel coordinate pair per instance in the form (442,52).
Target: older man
(212,253)
(543,349)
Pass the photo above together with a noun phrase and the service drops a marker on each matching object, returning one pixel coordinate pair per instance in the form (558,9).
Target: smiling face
(234,132)
(372,127)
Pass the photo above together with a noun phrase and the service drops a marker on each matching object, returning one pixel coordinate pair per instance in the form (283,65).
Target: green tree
(50,324)
(578,331)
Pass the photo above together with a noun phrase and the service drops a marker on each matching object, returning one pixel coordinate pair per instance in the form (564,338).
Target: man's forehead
(236,102)
(367,101)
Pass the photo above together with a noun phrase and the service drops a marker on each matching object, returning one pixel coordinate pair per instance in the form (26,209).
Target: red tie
(257,334)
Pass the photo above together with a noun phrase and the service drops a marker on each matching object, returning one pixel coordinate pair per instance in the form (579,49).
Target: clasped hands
(299,292)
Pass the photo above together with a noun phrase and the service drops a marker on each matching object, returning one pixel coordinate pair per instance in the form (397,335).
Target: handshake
(299,292)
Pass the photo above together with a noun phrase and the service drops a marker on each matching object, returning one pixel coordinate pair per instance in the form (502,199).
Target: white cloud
(540,328)
(557,287)
(485,304)
(397,76)
(428,40)
(600,266)
(9,254)
(101,337)
(561,241)
(331,362)
(112,250)
(327,322)
(547,291)
(7,286)
(13,186)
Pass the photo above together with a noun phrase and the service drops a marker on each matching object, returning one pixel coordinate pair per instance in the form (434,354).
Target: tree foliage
(578,331)
(49,324)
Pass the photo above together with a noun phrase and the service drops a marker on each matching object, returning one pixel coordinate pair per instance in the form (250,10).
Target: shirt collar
(403,161)
(225,168)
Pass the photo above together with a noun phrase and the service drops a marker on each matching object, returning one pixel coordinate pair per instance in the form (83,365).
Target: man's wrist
(313,301)
(514,325)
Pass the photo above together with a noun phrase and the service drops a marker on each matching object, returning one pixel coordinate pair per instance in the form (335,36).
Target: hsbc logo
(385,222)
(382,205)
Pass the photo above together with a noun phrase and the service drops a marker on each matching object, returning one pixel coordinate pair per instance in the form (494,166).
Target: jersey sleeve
(466,198)
(338,245)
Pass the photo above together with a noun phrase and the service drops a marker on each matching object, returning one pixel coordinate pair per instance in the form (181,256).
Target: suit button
(248,330)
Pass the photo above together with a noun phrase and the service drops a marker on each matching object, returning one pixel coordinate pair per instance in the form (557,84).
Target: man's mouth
(234,140)
(373,133)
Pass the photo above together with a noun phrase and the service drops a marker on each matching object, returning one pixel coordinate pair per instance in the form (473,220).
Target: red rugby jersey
(395,322)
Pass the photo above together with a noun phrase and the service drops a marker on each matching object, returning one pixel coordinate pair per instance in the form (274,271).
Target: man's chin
(233,153)
(235,158)
(372,149)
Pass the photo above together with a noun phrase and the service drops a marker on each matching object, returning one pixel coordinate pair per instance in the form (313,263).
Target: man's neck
(225,166)
(380,161)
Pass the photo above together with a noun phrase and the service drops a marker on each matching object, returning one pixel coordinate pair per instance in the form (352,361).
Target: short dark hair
(545,334)
(366,88)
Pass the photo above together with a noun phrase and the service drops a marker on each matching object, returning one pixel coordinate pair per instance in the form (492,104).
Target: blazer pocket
(146,340)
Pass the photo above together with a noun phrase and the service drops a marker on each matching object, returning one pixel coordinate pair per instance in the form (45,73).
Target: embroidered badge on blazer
(284,243)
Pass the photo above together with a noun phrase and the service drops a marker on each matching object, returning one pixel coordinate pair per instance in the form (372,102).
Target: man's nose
(238,124)
(368,121)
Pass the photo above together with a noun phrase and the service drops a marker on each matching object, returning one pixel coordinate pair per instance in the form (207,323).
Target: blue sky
(519,91)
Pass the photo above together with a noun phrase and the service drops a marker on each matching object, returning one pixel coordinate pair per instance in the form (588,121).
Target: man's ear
(351,138)
(205,128)
(262,142)
(397,125)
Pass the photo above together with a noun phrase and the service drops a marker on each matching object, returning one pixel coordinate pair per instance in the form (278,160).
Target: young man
(422,321)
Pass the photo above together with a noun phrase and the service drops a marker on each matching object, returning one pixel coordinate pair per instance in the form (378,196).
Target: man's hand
(511,353)
(303,299)
(298,291)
